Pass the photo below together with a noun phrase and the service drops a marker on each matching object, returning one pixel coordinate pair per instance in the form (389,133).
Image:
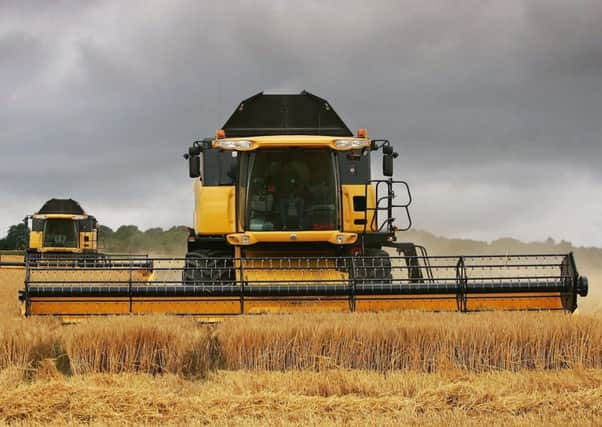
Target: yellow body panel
(214,209)
(296,305)
(475,302)
(79,307)
(525,301)
(291,272)
(292,236)
(203,306)
(215,206)
(36,239)
(60,250)
(60,216)
(213,307)
(11,258)
(350,216)
(74,276)
(282,141)
(87,240)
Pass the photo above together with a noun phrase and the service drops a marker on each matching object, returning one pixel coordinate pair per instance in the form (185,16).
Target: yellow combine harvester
(63,251)
(61,227)
(289,217)
(59,230)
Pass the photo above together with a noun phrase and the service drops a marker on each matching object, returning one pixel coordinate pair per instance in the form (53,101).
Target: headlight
(350,144)
(233,144)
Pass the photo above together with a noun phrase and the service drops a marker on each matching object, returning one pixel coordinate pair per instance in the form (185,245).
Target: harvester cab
(290,217)
(61,226)
(284,174)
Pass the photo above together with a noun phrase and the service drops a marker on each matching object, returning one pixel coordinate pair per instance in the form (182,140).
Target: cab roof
(292,114)
(61,206)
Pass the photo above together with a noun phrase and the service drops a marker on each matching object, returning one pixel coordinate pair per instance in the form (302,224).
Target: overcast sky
(494,106)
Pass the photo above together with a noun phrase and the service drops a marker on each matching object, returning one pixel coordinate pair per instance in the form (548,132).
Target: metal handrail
(390,205)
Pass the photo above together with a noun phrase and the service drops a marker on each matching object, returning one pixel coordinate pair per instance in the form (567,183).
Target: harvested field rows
(339,397)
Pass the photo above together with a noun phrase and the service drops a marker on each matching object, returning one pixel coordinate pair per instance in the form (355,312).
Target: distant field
(311,369)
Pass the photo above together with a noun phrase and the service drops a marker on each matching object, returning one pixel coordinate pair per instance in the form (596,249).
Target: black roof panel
(62,206)
(298,114)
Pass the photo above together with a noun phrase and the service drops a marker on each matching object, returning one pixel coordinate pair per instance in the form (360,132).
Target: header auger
(288,217)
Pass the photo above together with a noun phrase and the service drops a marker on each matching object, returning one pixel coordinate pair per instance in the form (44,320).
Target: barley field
(405,368)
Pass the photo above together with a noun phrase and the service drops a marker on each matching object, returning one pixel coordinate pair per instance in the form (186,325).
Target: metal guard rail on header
(462,277)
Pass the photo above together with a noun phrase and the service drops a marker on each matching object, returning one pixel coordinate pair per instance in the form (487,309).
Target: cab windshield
(291,190)
(60,233)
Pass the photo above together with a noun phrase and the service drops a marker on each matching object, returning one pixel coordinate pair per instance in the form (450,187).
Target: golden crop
(304,369)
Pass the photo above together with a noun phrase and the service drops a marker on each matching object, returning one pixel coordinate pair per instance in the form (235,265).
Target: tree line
(129,239)
(125,239)
(16,238)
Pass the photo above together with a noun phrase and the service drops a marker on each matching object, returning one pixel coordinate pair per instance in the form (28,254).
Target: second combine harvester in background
(61,228)
(62,253)
(288,217)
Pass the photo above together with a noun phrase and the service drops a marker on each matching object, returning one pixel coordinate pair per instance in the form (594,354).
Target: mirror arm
(377,144)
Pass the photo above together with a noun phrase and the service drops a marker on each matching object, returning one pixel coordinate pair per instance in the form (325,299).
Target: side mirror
(388,165)
(194,166)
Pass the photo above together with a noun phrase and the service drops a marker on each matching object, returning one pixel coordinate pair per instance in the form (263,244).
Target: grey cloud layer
(100,99)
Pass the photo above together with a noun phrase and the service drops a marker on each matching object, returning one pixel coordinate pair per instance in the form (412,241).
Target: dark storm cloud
(497,103)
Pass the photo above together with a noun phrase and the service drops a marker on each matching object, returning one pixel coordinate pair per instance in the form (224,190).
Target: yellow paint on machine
(11,259)
(79,307)
(87,240)
(353,220)
(523,301)
(73,276)
(287,141)
(36,239)
(61,249)
(331,236)
(60,216)
(474,302)
(296,305)
(292,272)
(213,307)
(215,209)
